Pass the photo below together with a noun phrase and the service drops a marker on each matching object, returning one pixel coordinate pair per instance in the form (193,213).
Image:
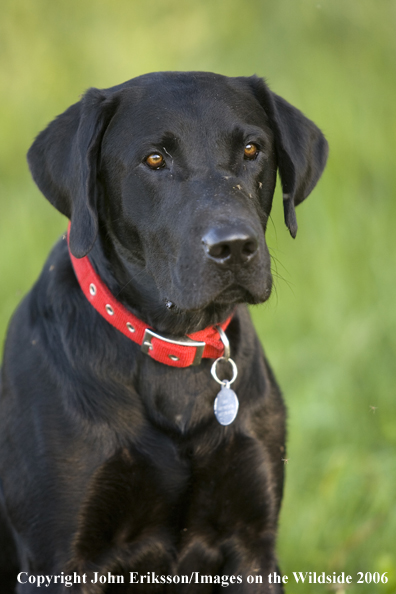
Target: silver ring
(234,371)
(225,341)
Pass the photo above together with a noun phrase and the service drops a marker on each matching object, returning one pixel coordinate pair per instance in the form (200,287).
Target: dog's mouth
(226,298)
(186,318)
(236,294)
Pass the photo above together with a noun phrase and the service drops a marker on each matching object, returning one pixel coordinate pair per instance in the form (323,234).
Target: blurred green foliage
(329,328)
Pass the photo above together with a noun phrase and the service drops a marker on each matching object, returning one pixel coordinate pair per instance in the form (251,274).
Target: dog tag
(226,406)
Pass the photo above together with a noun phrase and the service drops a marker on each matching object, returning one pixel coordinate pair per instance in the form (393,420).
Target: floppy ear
(63,161)
(301,149)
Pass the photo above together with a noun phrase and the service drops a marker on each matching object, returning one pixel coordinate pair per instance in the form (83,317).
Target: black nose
(230,245)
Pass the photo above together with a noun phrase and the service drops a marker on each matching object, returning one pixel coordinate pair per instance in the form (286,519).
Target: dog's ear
(301,149)
(63,161)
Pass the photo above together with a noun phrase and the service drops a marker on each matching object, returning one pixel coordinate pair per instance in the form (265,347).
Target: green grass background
(329,329)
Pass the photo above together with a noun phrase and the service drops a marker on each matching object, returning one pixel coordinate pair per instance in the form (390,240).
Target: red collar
(176,352)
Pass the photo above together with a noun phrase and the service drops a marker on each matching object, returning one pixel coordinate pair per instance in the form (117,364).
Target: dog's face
(189,171)
(180,169)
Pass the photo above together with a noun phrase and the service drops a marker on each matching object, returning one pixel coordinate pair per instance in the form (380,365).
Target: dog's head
(177,172)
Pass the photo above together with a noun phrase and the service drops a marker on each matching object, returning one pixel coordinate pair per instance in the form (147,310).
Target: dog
(142,432)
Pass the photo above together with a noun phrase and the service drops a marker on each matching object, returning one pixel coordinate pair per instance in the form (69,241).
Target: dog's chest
(185,502)
(175,400)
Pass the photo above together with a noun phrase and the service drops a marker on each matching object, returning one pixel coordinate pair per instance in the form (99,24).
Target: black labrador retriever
(124,465)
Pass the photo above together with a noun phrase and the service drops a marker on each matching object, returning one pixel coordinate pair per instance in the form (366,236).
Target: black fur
(111,461)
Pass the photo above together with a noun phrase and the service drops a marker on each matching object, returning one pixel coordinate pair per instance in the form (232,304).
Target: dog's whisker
(124,287)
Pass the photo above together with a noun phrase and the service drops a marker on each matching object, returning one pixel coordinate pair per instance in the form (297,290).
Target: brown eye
(251,151)
(155,161)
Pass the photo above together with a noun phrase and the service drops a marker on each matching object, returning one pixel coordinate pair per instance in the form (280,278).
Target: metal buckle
(188,342)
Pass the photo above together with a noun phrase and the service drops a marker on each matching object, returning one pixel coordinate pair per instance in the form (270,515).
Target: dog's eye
(155,161)
(251,151)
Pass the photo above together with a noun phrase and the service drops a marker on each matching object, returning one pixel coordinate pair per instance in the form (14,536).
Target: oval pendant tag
(226,406)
